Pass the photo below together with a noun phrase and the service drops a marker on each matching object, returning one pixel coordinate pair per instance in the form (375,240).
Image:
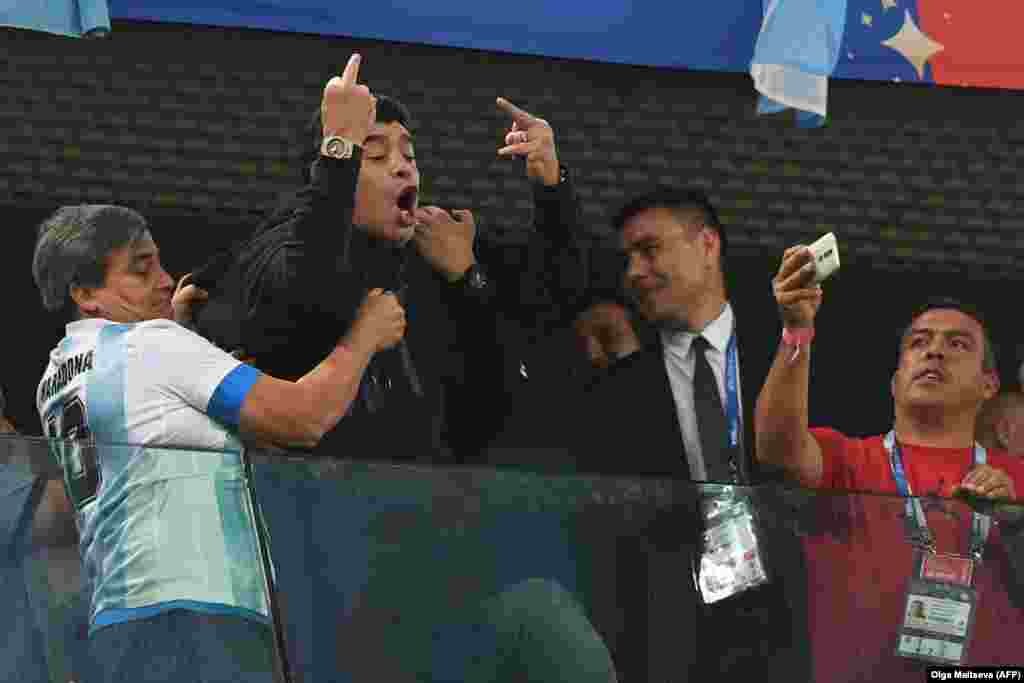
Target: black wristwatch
(563,176)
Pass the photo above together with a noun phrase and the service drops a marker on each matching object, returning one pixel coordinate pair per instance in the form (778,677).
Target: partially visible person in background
(50,513)
(565,365)
(34,514)
(605,333)
(23,654)
(6,426)
(1001,423)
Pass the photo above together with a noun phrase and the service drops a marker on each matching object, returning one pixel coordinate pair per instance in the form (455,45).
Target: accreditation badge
(938,612)
(732,559)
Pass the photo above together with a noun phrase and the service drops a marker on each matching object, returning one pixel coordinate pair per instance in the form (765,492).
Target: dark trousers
(749,636)
(668,635)
(183,646)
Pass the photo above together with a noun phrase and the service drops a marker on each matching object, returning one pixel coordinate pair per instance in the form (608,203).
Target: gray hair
(73,246)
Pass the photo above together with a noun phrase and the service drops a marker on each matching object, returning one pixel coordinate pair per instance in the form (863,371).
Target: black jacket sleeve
(539,284)
(318,280)
(531,289)
(536,286)
(285,296)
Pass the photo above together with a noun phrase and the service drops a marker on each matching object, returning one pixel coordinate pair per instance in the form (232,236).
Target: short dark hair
(73,246)
(685,203)
(389,110)
(989,361)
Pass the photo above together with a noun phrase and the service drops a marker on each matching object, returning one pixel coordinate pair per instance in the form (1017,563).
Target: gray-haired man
(168,537)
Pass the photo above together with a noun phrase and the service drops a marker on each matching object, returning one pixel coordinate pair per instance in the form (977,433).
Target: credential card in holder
(938,610)
(732,560)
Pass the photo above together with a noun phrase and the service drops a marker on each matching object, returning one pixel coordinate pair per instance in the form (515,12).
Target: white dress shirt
(679,363)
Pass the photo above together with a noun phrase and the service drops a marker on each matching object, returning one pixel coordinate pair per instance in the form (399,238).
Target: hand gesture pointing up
(348,109)
(532,138)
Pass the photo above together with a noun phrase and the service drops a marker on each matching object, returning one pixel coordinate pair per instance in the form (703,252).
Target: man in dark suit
(681,408)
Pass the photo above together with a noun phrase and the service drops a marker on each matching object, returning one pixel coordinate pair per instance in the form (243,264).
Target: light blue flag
(74,18)
(796,52)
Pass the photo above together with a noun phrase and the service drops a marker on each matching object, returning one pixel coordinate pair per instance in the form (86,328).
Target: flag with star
(946,42)
(885,41)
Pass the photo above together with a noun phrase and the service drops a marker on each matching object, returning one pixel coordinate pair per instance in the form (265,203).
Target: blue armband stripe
(225,405)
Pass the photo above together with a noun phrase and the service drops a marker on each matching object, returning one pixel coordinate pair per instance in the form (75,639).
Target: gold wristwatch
(336,147)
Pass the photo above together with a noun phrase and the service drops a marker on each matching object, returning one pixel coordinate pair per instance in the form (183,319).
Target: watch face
(335,147)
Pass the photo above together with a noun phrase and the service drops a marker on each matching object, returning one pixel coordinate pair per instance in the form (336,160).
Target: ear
(85,299)
(990,384)
(711,241)
(1004,432)
(892,385)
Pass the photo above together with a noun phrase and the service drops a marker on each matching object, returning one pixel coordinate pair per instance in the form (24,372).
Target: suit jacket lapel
(667,418)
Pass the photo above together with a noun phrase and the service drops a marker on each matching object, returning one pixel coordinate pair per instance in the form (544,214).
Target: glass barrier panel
(422,573)
(412,573)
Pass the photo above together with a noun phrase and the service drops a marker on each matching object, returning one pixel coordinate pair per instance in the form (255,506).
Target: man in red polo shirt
(900,583)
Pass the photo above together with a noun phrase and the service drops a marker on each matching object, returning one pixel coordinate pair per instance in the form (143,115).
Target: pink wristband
(798,338)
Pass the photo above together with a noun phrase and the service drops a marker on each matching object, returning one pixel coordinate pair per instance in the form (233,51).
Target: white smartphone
(826,257)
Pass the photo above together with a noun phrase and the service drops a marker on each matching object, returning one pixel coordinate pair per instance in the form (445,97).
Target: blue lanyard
(981,525)
(732,394)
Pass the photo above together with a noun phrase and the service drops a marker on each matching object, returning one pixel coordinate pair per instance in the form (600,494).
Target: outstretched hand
(532,138)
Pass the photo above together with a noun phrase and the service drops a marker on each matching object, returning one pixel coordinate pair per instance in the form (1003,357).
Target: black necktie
(711,424)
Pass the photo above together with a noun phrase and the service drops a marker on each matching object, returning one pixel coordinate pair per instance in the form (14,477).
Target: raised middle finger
(350,76)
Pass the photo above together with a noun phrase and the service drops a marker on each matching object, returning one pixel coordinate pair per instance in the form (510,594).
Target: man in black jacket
(681,409)
(290,291)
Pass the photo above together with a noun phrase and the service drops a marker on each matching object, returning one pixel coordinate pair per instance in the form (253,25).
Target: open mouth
(407,199)
(930,375)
